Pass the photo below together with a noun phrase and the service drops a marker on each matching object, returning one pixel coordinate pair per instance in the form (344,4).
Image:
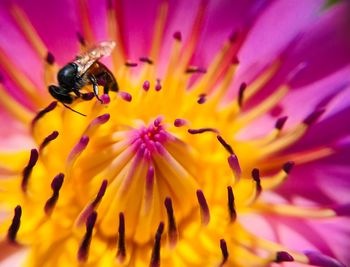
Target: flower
(189,160)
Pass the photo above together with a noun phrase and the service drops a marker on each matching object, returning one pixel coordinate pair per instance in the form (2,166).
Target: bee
(84,70)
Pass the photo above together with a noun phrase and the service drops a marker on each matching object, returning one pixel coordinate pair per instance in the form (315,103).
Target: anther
(202,98)
(194,69)
(146,85)
(317,259)
(241,91)
(231,204)
(234,165)
(130,64)
(78,149)
(280,122)
(172,231)
(105,99)
(283,256)
(179,122)
(313,116)
(14,227)
(50,59)
(125,96)
(202,130)
(56,185)
(93,204)
(155,258)
(34,155)
(48,139)
(256,178)
(83,251)
(158,86)
(81,39)
(225,145)
(146,60)
(224,251)
(42,112)
(121,253)
(204,209)
(177,36)
(288,166)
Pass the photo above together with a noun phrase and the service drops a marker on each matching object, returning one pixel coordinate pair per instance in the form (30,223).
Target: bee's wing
(85,60)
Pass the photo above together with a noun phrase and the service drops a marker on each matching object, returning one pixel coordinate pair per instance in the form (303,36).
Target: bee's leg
(94,83)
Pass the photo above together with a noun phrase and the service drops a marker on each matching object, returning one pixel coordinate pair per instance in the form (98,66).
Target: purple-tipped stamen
(231,204)
(14,227)
(202,130)
(121,253)
(146,60)
(42,112)
(56,185)
(234,165)
(155,258)
(288,166)
(280,123)
(84,247)
(81,39)
(194,69)
(105,99)
(34,156)
(130,64)
(172,230)
(48,139)
(241,91)
(204,209)
(146,85)
(177,36)
(50,59)
(224,251)
(158,86)
(283,256)
(83,142)
(202,98)
(256,178)
(179,122)
(225,145)
(310,119)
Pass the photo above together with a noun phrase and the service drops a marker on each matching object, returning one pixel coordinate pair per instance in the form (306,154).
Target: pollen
(157,174)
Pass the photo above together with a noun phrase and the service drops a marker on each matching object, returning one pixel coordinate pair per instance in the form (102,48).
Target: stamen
(242,88)
(90,207)
(224,251)
(81,39)
(314,116)
(130,64)
(280,123)
(256,178)
(44,111)
(177,36)
(105,99)
(194,69)
(172,230)
(155,259)
(34,155)
(146,60)
(283,256)
(83,251)
(50,59)
(234,165)
(149,187)
(77,150)
(288,166)
(317,259)
(146,85)
(202,130)
(125,96)
(204,209)
(121,254)
(48,139)
(179,122)
(231,204)
(202,98)
(14,227)
(158,86)
(225,145)
(56,185)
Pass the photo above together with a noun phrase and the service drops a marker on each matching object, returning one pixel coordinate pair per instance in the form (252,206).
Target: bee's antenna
(74,110)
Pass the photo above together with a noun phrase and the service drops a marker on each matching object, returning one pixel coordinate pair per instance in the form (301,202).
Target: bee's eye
(67,75)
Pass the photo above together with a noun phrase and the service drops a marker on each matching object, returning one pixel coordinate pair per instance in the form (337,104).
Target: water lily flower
(225,143)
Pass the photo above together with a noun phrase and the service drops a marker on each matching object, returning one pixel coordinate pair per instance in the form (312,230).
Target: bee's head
(67,76)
